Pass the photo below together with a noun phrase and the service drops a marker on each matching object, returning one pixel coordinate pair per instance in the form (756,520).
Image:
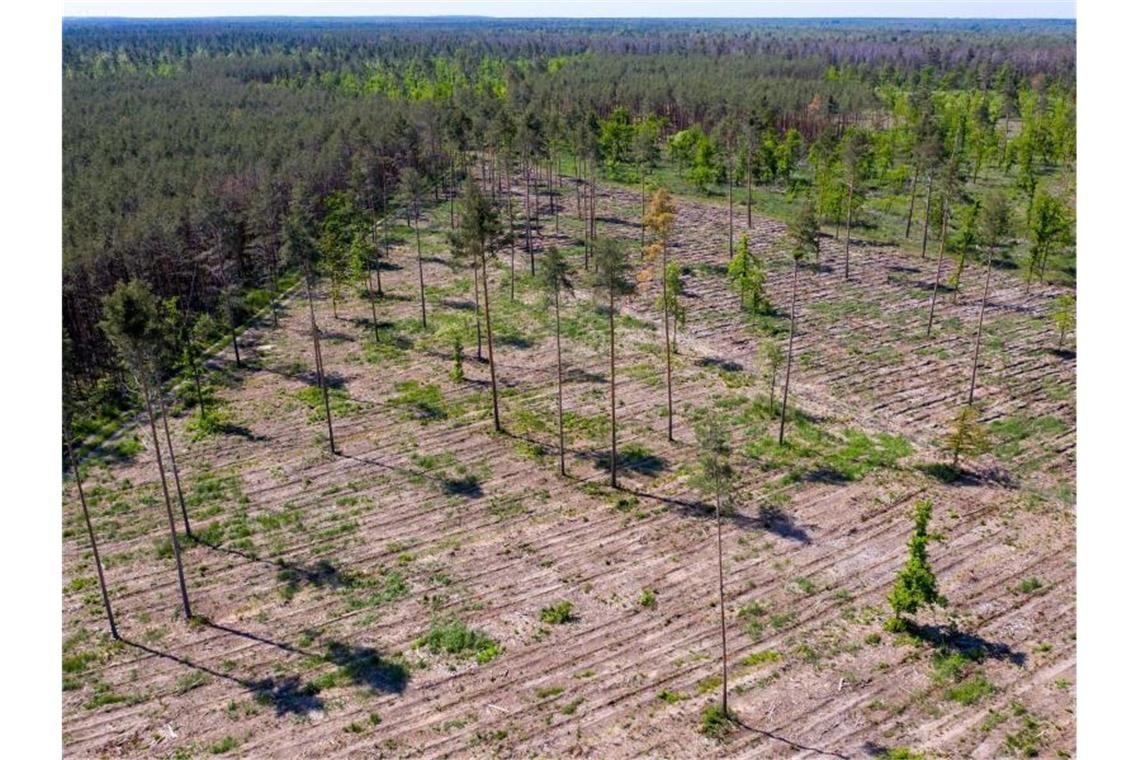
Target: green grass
(716,723)
(971,691)
(455,638)
(340,403)
(548,691)
(228,744)
(557,614)
(422,401)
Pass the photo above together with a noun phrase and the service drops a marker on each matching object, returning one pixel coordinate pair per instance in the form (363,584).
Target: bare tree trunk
(319,361)
(730,213)
(749,189)
(420,266)
(723,625)
(490,342)
(913,193)
(368,266)
(978,336)
(511,225)
(926,213)
(451,202)
(613,399)
(558,348)
(166,496)
(526,212)
(847,241)
(641,179)
(173,464)
(791,337)
(91,537)
(668,345)
(478,324)
(938,269)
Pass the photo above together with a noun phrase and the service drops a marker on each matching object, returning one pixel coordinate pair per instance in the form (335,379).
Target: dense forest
(191,147)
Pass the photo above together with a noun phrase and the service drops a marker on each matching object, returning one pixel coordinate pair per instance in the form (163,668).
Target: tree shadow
(951,475)
(578,375)
(903,268)
(790,742)
(1067,354)
(448,303)
(632,460)
(241,431)
(718,363)
(285,694)
(782,524)
(467,486)
(971,645)
(956,475)
(366,666)
(321,574)
(825,475)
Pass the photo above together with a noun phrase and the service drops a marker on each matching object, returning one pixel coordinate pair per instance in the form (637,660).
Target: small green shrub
(457,639)
(560,613)
(716,722)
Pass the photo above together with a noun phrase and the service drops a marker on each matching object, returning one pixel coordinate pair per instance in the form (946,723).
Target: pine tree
(132,323)
(612,280)
(478,228)
(804,234)
(1064,317)
(716,477)
(554,271)
(915,587)
(967,437)
(301,251)
(660,218)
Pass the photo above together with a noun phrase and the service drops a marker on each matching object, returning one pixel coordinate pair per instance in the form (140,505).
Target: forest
(486,386)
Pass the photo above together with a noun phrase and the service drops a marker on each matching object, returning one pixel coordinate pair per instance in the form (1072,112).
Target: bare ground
(317,573)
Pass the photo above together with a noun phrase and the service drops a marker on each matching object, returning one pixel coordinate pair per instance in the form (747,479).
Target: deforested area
(569,388)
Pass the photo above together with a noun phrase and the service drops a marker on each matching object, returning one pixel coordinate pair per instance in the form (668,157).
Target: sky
(579,8)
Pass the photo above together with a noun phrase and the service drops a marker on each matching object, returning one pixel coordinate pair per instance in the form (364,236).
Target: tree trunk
(613,399)
(791,337)
(451,202)
(723,625)
(526,212)
(478,323)
(847,241)
(978,336)
(558,348)
(420,266)
(320,365)
(233,330)
(91,537)
(368,283)
(730,214)
(511,228)
(173,464)
(913,194)
(166,496)
(490,342)
(750,190)
(926,213)
(641,179)
(197,382)
(938,269)
(668,345)
(772,390)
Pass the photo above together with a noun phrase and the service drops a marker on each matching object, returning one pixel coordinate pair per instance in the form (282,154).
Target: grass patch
(558,614)
(455,638)
(716,722)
